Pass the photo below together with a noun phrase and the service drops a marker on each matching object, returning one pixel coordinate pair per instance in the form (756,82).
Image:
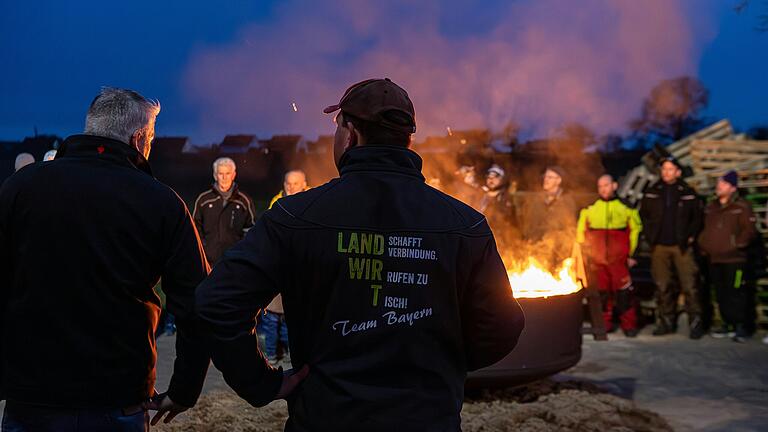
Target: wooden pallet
(632,186)
(721,155)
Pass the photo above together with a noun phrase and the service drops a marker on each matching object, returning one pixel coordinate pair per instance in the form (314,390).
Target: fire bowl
(550,343)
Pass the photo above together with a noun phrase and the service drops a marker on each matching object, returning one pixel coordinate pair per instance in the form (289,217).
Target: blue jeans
(32,418)
(273,327)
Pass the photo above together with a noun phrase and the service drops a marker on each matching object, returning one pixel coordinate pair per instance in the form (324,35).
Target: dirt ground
(566,410)
(652,384)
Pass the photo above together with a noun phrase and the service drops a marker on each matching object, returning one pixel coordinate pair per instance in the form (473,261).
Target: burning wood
(531,280)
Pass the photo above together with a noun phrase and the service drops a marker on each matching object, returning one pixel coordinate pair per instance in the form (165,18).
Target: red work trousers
(616,293)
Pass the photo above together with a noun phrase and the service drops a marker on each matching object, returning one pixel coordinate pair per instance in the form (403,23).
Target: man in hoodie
(384,324)
(609,230)
(729,228)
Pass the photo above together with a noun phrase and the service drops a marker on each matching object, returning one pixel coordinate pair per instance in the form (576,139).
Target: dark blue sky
(56,55)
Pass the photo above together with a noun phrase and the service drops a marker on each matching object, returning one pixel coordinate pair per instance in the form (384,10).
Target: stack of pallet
(640,177)
(713,158)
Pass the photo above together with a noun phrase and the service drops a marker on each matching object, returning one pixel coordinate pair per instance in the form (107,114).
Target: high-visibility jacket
(610,230)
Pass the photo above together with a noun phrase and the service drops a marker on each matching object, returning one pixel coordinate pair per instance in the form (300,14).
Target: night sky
(236,66)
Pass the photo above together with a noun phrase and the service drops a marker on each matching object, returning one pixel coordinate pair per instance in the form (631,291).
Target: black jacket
(392,292)
(222,224)
(83,241)
(688,214)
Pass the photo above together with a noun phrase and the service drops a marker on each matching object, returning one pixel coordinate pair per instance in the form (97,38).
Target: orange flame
(533,281)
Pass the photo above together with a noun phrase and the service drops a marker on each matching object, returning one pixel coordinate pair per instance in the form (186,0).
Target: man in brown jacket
(549,220)
(729,227)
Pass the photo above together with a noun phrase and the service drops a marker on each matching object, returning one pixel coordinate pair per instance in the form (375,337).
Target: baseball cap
(496,170)
(672,160)
(375,101)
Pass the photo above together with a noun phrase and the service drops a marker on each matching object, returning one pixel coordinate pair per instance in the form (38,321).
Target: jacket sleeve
(197,216)
(251,214)
(696,222)
(5,268)
(635,228)
(747,227)
(243,282)
(185,268)
(581,226)
(492,320)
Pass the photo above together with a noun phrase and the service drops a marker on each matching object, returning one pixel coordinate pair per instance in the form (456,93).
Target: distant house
(168,147)
(283,144)
(237,144)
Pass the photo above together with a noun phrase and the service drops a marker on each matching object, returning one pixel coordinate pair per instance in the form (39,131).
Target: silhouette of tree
(759,132)
(671,111)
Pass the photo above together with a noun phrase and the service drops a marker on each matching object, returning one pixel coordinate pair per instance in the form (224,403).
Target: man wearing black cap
(729,228)
(671,214)
(401,289)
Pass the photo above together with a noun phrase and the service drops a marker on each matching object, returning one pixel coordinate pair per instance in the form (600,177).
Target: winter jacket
(392,292)
(84,239)
(542,218)
(687,218)
(610,230)
(222,223)
(728,231)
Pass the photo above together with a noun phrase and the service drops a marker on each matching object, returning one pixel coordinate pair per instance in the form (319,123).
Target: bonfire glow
(531,280)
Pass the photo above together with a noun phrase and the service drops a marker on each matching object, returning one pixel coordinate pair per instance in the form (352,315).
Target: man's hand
(163,404)
(631,262)
(291,379)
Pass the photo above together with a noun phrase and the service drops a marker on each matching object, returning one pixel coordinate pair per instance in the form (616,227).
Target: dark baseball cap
(378,101)
(671,160)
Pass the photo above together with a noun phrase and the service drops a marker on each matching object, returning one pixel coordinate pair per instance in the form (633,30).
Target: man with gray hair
(112,231)
(223,213)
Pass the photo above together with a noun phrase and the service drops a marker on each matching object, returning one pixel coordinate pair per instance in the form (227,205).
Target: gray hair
(223,161)
(118,113)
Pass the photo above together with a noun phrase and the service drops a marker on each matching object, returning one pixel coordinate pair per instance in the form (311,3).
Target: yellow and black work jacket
(609,230)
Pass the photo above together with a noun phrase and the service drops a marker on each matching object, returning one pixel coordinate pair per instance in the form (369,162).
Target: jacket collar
(735,197)
(92,146)
(218,192)
(381,158)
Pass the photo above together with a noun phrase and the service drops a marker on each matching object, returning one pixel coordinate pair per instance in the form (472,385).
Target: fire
(534,281)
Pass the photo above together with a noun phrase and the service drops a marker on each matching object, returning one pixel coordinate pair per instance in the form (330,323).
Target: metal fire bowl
(550,343)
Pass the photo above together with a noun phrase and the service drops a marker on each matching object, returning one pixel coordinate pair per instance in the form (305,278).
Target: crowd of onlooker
(697,246)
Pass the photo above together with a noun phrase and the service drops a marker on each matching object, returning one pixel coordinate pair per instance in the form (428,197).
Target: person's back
(392,292)
(85,238)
